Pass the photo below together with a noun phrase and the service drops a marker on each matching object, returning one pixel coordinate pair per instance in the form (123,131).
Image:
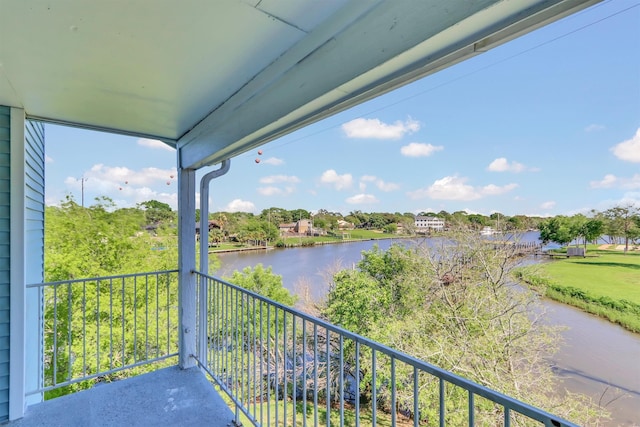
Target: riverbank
(607,285)
(295,242)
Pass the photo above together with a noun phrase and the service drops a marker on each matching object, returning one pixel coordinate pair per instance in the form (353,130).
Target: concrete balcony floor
(166,397)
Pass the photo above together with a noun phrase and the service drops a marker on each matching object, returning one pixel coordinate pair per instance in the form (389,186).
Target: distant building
(345,225)
(427,223)
(287,227)
(303,226)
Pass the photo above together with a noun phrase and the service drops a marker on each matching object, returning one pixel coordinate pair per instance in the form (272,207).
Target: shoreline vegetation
(607,285)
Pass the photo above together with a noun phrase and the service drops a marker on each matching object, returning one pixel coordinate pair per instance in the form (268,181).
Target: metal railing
(97,327)
(280,366)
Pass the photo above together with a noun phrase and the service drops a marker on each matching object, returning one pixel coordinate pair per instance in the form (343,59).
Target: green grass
(607,284)
(611,274)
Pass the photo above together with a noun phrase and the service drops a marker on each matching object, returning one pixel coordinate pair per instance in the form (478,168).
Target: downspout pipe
(204,213)
(203,317)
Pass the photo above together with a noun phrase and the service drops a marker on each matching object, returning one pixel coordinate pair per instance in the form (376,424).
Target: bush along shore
(607,286)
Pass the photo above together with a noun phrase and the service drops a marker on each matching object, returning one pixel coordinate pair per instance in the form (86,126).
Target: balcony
(113,343)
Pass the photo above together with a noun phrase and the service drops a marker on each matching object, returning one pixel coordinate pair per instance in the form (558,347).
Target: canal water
(597,358)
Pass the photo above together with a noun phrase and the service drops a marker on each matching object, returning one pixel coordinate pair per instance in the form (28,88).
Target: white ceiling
(217,78)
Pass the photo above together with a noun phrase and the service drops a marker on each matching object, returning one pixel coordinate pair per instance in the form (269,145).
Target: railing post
(186,265)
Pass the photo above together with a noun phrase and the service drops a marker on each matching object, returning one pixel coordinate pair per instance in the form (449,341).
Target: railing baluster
(294,364)
(441,402)
(416,395)
(472,420)
(110,324)
(55,335)
(275,356)
(374,388)
(394,405)
(158,319)
(69,327)
(304,372)
(84,328)
(135,319)
(357,375)
(328,373)
(315,374)
(146,318)
(285,367)
(122,320)
(341,378)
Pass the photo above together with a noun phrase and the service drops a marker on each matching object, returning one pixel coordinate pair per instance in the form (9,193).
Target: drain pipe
(203,339)
(204,213)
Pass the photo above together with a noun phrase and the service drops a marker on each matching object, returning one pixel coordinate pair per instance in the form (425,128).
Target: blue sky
(546,124)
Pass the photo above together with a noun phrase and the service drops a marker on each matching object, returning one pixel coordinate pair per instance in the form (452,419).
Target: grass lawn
(607,284)
(611,274)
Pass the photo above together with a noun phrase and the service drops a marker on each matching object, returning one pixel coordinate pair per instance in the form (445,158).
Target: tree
(264,282)
(451,304)
(623,222)
(156,211)
(557,229)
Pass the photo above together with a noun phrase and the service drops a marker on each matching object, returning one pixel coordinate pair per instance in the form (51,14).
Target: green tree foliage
(99,325)
(452,304)
(557,229)
(623,222)
(264,282)
(156,212)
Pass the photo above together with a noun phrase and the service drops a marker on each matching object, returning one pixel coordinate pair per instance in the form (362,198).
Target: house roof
(218,78)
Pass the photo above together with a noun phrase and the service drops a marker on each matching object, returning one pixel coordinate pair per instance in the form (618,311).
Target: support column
(187,264)
(25,259)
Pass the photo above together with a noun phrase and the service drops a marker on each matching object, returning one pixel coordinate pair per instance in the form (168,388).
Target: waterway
(597,358)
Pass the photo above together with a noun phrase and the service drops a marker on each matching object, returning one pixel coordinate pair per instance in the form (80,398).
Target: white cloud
(154,143)
(494,190)
(612,181)
(501,164)
(100,174)
(273,161)
(375,129)
(339,182)
(629,150)
(239,205)
(48,159)
(362,199)
(548,205)
(386,186)
(278,179)
(594,128)
(416,149)
(382,186)
(119,183)
(456,188)
(275,191)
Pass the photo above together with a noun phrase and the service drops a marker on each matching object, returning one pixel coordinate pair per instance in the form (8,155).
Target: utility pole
(82,180)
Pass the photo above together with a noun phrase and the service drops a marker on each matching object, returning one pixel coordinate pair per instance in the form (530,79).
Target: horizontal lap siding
(34,248)
(5,249)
